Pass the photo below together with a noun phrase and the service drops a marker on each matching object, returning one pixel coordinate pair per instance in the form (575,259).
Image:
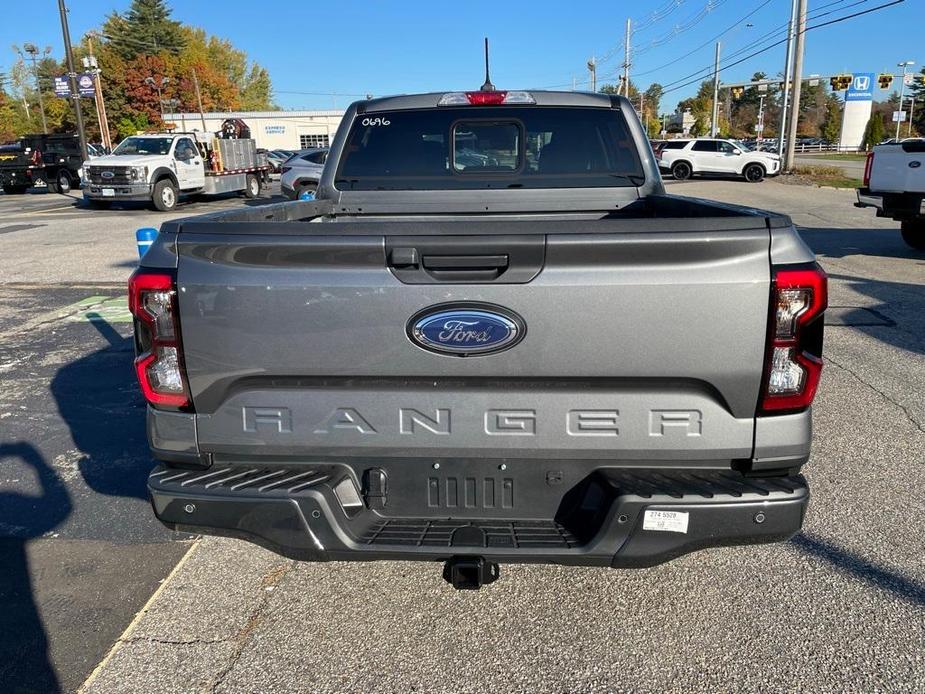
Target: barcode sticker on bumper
(666,521)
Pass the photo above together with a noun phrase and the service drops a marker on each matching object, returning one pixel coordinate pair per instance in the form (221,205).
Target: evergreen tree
(145,29)
(873,133)
(831,126)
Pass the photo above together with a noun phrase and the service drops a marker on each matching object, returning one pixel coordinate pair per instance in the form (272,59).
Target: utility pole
(72,78)
(902,93)
(797,86)
(787,66)
(911,113)
(714,129)
(592,68)
(760,117)
(202,115)
(33,52)
(158,86)
(91,62)
(626,57)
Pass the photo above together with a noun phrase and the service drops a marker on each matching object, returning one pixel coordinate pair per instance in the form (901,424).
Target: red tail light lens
(868,165)
(486,98)
(152,299)
(793,362)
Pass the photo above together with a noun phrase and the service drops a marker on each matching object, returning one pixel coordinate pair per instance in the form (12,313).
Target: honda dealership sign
(859,100)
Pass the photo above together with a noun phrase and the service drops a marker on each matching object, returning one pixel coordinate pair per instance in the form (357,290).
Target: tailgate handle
(465,267)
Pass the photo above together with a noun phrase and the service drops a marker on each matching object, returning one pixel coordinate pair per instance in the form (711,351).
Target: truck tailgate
(638,346)
(898,168)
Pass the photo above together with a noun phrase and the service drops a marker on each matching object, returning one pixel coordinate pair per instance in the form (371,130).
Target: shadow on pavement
(24,663)
(98,400)
(838,243)
(858,567)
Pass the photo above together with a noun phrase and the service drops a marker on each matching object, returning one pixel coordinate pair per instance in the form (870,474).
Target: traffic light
(885,81)
(840,82)
(737,92)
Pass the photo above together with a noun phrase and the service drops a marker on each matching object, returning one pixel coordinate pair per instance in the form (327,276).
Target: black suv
(35,159)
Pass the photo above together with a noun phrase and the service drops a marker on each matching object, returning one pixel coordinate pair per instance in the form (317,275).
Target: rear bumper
(613,517)
(868,199)
(898,206)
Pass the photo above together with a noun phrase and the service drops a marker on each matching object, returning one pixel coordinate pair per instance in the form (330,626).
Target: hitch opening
(470,573)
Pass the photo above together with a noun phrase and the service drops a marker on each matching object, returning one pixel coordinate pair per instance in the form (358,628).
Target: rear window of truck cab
(496,147)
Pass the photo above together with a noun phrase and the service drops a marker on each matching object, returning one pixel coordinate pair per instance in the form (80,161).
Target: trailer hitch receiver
(470,573)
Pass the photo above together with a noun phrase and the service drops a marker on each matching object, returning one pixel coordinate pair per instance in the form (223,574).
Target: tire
(165,195)
(62,183)
(681,171)
(251,186)
(914,234)
(753,173)
(305,188)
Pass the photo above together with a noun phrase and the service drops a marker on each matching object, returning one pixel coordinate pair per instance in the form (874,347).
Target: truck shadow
(24,665)
(108,427)
(839,243)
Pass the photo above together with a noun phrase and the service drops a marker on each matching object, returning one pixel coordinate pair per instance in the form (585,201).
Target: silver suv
(302,171)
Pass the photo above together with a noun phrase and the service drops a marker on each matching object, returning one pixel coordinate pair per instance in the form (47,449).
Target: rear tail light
(793,362)
(152,299)
(868,165)
(495,98)
(36,158)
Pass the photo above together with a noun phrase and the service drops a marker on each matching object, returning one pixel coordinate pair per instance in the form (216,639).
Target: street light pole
(72,75)
(158,86)
(33,52)
(902,92)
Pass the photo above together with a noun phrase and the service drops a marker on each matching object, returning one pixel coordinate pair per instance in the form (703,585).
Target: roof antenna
(488,86)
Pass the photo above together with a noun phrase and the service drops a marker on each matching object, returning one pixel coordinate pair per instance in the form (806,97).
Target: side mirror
(737,152)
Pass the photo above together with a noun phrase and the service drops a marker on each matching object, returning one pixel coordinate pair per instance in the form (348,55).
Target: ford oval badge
(466,329)
(107,174)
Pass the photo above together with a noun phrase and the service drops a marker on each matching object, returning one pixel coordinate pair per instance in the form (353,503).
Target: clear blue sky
(351,47)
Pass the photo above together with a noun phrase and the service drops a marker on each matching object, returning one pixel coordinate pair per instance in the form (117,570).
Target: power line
(768,36)
(708,42)
(767,48)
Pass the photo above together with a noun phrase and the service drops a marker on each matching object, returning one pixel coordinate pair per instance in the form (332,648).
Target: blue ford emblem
(107,174)
(466,330)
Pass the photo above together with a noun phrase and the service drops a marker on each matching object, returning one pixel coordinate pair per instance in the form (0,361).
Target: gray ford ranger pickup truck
(492,338)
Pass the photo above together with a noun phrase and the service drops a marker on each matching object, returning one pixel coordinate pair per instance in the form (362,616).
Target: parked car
(544,360)
(302,172)
(894,184)
(685,158)
(40,160)
(275,158)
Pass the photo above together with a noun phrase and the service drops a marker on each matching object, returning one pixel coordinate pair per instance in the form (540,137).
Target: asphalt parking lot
(840,607)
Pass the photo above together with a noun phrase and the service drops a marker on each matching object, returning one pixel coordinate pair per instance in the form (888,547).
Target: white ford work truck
(894,183)
(161,167)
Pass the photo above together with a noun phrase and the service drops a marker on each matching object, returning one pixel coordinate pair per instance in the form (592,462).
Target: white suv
(683,158)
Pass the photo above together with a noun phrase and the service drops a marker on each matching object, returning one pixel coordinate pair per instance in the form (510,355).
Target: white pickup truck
(894,183)
(160,168)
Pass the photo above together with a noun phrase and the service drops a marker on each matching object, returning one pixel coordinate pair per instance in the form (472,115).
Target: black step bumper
(612,517)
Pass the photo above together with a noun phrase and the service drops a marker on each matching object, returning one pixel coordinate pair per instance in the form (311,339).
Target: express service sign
(862,87)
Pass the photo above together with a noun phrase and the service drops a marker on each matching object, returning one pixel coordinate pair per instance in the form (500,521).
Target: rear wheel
(754,173)
(64,182)
(252,186)
(165,195)
(914,234)
(681,171)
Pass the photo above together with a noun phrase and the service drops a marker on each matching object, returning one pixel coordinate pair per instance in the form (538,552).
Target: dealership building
(271,129)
